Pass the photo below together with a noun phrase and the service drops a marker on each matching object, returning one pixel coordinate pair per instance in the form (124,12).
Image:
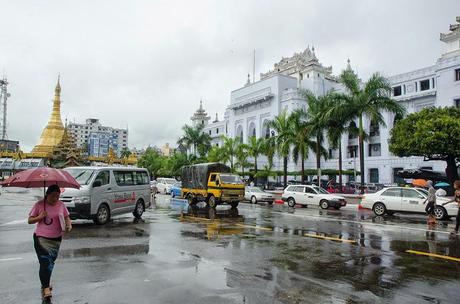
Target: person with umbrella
(50,215)
(52,218)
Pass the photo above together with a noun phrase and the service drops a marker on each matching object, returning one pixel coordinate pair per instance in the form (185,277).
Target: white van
(107,191)
(164,184)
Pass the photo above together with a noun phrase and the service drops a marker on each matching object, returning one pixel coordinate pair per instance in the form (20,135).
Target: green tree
(368,100)
(215,154)
(125,153)
(196,139)
(229,149)
(317,107)
(433,133)
(153,161)
(302,133)
(282,139)
(242,155)
(255,148)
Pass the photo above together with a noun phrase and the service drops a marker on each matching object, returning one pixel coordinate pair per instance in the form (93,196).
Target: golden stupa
(54,130)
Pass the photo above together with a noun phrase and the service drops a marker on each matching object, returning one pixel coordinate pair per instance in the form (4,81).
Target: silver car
(254,195)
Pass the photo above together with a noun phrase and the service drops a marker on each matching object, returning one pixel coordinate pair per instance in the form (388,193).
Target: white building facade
(98,138)
(253,105)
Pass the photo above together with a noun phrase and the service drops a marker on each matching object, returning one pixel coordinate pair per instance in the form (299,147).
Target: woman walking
(456,200)
(52,218)
(431,199)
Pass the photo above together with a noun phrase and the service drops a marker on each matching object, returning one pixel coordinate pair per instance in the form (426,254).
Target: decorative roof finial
(313,55)
(58,85)
(201,104)
(349,65)
(248,82)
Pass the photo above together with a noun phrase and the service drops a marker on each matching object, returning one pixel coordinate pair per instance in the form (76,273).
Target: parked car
(164,184)
(405,200)
(312,195)
(255,194)
(176,190)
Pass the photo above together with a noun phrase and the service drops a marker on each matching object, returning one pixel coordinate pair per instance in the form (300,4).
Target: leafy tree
(433,133)
(125,153)
(315,115)
(301,133)
(255,148)
(370,99)
(215,154)
(242,155)
(283,139)
(153,161)
(229,149)
(195,138)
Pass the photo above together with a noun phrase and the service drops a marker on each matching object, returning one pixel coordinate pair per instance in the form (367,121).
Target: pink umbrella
(41,177)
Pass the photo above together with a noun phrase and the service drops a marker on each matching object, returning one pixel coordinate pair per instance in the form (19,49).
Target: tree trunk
(255,170)
(285,161)
(303,168)
(361,153)
(318,160)
(451,172)
(340,166)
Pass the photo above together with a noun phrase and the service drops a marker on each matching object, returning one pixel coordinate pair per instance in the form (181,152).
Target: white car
(255,194)
(406,200)
(164,184)
(312,195)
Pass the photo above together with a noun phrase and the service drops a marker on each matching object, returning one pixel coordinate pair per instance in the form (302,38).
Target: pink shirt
(54,230)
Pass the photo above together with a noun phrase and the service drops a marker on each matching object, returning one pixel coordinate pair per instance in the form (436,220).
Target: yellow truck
(212,183)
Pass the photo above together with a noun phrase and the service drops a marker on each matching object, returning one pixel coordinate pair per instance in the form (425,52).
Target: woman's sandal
(46,292)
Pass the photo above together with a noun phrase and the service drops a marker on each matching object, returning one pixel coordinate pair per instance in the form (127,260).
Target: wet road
(256,254)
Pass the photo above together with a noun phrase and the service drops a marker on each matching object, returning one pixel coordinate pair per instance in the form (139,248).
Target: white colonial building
(254,104)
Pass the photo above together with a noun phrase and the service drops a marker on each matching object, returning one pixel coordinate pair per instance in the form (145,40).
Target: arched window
(239,133)
(252,129)
(265,130)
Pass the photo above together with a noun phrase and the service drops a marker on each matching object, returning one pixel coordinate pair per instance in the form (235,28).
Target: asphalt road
(255,254)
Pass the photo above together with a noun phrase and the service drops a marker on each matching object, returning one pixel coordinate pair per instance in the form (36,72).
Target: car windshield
(170,181)
(423,191)
(83,176)
(230,179)
(255,190)
(320,190)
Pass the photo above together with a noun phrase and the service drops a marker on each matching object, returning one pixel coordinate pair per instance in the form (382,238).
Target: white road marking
(10,259)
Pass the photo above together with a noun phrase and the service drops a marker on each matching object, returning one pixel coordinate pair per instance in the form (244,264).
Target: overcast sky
(145,65)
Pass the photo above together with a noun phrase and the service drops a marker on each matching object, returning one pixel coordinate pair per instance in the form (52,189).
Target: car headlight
(82,200)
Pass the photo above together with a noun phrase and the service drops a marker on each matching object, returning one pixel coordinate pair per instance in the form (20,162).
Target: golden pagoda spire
(54,130)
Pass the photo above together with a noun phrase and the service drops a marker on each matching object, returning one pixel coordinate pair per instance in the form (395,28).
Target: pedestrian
(456,200)
(430,203)
(52,218)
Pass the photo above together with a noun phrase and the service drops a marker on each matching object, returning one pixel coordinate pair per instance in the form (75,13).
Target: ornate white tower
(200,117)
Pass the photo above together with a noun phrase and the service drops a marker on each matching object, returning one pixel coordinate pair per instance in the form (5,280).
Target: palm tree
(301,132)
(255,149)
(242,155)
(195,138)
(317,107)
(125,153)
(283,139)
(369,100)
(229,148)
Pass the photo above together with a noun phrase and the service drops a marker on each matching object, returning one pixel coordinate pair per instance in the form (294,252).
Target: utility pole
(4,95)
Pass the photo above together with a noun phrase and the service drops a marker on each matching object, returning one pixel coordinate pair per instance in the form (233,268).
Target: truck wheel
(212,201)
(102,215)
(234,204)
(191,200)
(291,202)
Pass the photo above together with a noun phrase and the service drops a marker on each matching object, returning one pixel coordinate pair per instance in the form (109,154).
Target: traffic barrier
(279,202)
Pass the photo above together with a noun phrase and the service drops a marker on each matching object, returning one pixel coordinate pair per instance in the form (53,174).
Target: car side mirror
(217,182)
(97,183)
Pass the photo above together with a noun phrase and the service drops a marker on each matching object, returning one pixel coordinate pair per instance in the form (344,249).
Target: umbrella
(41,177)
(419,182)
(442,184)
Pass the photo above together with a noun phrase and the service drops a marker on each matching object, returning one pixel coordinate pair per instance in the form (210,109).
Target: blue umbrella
(442,184)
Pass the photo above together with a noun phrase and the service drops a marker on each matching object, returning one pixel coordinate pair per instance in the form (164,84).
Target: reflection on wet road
(253,254)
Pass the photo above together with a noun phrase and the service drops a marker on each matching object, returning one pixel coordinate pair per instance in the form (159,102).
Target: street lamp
(354,169)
